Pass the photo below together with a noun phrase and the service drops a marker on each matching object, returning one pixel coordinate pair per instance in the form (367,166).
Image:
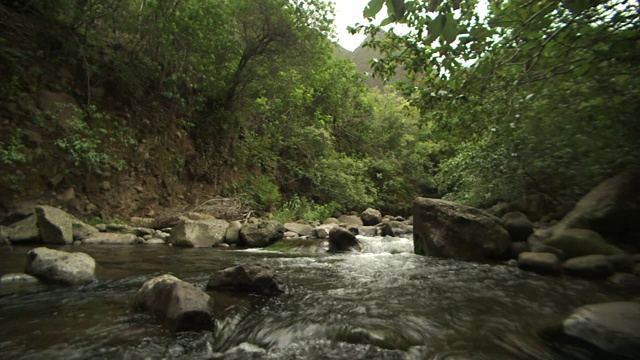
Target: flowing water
(385,303)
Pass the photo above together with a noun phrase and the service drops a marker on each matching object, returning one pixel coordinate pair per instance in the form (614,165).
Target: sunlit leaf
(373,8)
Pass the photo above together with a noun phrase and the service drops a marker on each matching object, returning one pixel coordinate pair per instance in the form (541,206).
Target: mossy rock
(581,242)
(299,246)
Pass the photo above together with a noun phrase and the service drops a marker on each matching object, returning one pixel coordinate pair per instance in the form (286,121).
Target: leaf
(373,8)
(436,26)
(576,6)
(450,30)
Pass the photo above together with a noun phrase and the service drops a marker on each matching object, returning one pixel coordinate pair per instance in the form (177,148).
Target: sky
(349,12)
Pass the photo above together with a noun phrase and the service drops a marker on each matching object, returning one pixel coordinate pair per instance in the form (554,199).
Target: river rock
(110,239)
(18,278)
(612,327)
(82,230)
(581,242)
(198,233)
(322,231)
(549,249)
(55,225)
(341,239)
(24,231)
(62,267)
(612,208)
(299,229)
(371,217)
(518,247)
(252,278)
(180,305)
(541,263)
(350,220)
(589,267)
(518,225)
(621,263)
(395,228)
(232,234)
(368,231)
(331,221)
(261,234)
(446,229)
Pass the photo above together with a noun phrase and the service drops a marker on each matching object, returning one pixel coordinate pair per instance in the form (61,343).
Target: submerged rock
(341,239)
(612,327)
(61,267)
(180,305)
(446,229)
(252,278)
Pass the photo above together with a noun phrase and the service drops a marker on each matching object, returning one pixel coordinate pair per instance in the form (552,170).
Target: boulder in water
(232,234)
(110,239)
(198,233)
(180,305)
(55,225)
(589,267)
(341,239)
(61,267)
(350,220)
(446,229)
(322,231)
(24,231)
(612,327)
(299,229)
(541,263)
(252,278)
(581,242)
(261,234)
(371,217)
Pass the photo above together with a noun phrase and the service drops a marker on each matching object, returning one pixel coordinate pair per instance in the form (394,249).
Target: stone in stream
(518,225)
(110,239)
(612,327)
(589,267)
(371,217)
(261,234)
(446,229)
(341,240)
(299,229)
(581,242)
(232,234)
(198,233)
(540,262)
(61,267)
(250,278)
(55,225)
(180,305)
(24,231)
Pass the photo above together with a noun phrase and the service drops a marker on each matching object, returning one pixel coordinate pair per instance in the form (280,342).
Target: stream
(385,303)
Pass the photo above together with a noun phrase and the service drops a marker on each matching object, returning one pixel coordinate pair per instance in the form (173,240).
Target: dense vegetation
(539,97)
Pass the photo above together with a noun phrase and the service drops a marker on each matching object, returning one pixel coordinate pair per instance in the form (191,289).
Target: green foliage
(260,193)
(300,208)
(13,151)
(94,140)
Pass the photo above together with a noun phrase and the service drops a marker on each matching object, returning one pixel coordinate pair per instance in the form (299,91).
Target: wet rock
(299,229)
(18,278)
(232,234)
(81,230)
(110,239)
(450,230)
(541,263)
(371,217)
(518,225)
(322,231)
(55,225)
(330,221)
(261,234)
(290,234)
(589,267)
(518,247)
(621,263)
(581,242)
(198,233)
(549,249)
(625,280)
(341,239)
(155,241)
(612,327)
(612,208)
(368,231)
(180,305)
(24,231)
(350,220)
(250,278)
(61,267)
(395,228)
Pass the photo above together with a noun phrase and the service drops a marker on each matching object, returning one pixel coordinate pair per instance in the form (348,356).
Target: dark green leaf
(576,6)
(436,26)
(450,30)
(373,8)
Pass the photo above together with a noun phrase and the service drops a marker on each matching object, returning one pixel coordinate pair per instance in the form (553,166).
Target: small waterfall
(387,244)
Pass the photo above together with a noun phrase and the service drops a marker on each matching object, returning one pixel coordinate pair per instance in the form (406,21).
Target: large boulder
(180,305)
(55,225)
(350,220)
(198,233)
(24,231)
(581,242)
(341,239)
(261,234)
(250,278)
(322,231)
(446,229)
(589,267)
(300,229)
(612,327)
(371,217)
(541,263)
(612,208)
(518,225)
(61,267)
